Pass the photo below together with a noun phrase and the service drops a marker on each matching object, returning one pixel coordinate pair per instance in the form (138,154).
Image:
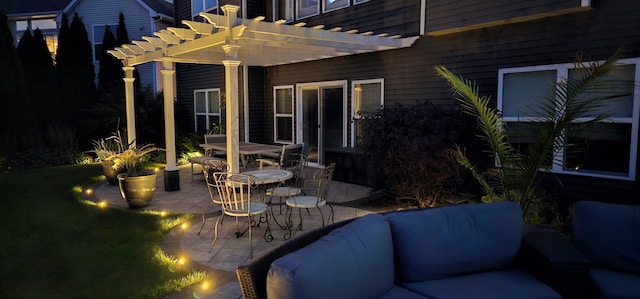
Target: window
(606,150)
(49,32)
(330,5)
(367,97)
(207,108)
(283,116)
(283,10)
(98,36)
(198,6)
(307,8)
(359,1)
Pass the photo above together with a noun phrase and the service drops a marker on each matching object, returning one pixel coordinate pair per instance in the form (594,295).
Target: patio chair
(292,188)
(287,158)
(209,167)
(314,195)
(237,201)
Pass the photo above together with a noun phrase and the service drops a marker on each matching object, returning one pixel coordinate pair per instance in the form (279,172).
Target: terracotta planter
(137,190)
(110,173)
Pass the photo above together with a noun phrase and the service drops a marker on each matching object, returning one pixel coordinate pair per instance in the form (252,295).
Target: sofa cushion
(353,261)
(493,284)
(445,241)
(615,284)
(398,292)
(608,234)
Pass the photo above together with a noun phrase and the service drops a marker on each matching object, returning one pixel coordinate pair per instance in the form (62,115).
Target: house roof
(253,42)
(20,8)
(156,8)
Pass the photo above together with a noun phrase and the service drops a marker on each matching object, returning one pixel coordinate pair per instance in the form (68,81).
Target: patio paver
(229,251)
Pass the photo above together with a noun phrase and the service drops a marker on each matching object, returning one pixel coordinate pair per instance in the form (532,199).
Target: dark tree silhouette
(110,74)
(42,84)
(76,74)
(16,112)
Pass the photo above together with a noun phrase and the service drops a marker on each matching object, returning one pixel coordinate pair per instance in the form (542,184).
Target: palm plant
(572,105)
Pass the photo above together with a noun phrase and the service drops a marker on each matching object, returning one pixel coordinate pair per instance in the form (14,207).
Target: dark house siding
(191,77)
(444,17)
(398,17)
(478,55)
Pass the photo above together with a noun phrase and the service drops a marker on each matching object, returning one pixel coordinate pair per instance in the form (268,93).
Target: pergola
(231,41)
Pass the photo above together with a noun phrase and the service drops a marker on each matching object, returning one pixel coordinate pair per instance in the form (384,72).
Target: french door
(322,117)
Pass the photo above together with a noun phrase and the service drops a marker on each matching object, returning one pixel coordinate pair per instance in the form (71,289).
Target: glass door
(310,123)
(321,122)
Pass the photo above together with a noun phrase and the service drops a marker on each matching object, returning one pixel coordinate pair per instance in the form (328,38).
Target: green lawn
(55,245)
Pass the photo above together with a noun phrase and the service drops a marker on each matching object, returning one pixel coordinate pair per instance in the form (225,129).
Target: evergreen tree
(42,84)
(123,38)
(121,31)
(16,112)
(77,76)
(110,89)
(64,70)
(110,74)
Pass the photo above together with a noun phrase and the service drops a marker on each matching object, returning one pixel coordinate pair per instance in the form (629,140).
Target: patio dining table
(245,149)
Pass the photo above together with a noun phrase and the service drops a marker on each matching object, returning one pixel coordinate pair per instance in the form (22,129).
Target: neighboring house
(510,48)
(142,18)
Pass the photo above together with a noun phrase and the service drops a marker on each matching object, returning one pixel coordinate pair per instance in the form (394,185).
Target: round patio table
(269,176)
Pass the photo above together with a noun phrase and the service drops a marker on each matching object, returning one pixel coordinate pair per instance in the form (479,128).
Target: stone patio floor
(229,251)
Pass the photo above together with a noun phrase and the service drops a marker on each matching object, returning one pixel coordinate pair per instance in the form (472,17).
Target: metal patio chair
(237,201)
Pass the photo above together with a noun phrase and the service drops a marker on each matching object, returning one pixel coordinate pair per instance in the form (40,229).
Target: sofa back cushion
(353,261)
(446,241)
(608,234)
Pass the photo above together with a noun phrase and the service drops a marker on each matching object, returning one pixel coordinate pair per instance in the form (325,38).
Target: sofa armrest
(252,275)
(552,258)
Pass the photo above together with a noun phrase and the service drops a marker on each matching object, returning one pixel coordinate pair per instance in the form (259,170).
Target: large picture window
(608,149)
(207,109)
(367,97)
(283,116)
(330,5)
(307,8)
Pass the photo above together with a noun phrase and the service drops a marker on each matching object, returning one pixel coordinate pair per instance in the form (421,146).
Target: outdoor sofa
(462,251)
(609,235)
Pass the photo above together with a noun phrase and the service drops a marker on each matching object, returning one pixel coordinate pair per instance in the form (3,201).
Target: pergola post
(231,64)
(171,173)
(129,105)
(233,118)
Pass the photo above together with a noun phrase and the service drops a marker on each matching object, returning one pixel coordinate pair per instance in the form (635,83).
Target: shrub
(407,147)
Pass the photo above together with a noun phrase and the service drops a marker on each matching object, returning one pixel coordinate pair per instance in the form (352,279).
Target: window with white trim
(607,150)
(359,1)
(367,96)
(283,10)
(283,117)
(198,6)
(329,5)
(307,8)
(207,109)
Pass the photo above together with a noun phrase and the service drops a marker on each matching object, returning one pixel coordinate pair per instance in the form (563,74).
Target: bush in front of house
(407,149)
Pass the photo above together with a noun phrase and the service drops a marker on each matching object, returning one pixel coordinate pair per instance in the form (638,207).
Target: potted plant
(106,149)
(137,186)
